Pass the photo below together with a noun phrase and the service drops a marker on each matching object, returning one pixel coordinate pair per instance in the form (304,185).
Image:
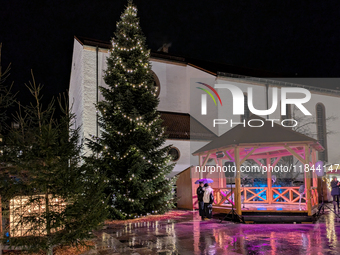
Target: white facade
(174,94)
(179,95)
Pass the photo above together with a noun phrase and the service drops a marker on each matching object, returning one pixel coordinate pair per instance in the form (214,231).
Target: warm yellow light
(21,207)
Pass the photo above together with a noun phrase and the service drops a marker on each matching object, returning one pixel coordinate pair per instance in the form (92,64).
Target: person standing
(335,192)
(208,199)
(301,192)
(200,193)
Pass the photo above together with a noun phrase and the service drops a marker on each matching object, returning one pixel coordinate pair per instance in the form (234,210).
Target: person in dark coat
(200,193)
(335,192)
(301,192)
(208,199)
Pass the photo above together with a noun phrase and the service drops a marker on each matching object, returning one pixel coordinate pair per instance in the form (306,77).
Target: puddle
(189,235)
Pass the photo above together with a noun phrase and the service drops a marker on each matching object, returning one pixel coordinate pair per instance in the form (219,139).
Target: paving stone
(188,235)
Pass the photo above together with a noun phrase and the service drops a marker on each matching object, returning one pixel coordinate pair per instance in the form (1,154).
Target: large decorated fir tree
(130,150)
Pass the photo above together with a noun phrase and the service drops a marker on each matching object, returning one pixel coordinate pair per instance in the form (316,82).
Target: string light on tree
(134,157)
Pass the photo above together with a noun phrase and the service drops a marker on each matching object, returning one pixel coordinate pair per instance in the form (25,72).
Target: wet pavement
(187,234)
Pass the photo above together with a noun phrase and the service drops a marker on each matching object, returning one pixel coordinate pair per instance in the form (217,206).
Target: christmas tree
(130,150)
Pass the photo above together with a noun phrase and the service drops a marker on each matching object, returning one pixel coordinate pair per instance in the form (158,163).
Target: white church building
(180,101)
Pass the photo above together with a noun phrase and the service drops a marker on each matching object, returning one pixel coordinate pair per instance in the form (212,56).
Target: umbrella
(204,180)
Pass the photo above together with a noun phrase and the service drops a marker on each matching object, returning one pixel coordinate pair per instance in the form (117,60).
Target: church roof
(183,126)
(240,135)
(216,67)
(225,70)
(208,66)
(93,42)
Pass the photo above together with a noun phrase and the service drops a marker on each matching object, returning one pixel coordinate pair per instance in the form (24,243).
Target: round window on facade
(174,153)
(156,83)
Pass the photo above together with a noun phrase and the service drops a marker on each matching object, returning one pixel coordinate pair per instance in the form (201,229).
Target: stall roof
(267,134)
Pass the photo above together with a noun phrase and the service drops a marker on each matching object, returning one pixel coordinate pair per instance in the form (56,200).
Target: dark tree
(51,196)
(6,97)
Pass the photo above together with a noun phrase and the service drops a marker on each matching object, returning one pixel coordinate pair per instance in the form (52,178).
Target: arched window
(321,130)
(156,83)
(246,108)
(288,114)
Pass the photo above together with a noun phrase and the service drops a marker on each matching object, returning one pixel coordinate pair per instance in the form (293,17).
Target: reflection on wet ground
(188,235)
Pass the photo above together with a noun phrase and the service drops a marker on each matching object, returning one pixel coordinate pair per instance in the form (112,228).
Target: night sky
(288,37)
